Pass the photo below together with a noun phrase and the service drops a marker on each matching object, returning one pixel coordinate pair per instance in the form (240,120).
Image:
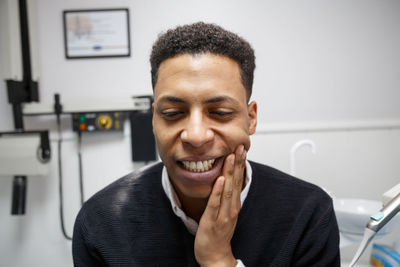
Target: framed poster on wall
(96,33)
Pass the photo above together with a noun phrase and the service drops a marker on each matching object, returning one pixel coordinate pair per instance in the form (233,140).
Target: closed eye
(171,114)
(222,113)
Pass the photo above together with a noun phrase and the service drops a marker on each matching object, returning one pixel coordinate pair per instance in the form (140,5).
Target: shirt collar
(191,224)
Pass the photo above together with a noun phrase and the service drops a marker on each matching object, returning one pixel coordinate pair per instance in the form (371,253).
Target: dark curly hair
(201,38)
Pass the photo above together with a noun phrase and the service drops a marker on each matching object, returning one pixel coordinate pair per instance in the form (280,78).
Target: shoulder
(108,219)
(123,192)
(138,178)
(282,186)
(292,201)
(298,215)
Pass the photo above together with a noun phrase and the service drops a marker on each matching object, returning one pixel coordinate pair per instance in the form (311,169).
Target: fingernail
(232,159)
(244,155)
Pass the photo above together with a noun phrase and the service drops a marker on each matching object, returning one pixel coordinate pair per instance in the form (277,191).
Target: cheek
(242,139)
(160,139)
(235,136)
(164,139)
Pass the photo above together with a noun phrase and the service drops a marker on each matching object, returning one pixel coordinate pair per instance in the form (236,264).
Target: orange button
(82,126)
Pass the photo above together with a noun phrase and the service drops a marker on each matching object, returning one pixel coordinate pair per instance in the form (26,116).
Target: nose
(197,132)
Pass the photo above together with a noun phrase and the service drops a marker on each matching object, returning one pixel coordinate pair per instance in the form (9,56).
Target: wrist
(225,262)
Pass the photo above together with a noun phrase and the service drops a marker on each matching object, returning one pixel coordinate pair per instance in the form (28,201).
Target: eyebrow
(172,99)
(221,99)
(217,99)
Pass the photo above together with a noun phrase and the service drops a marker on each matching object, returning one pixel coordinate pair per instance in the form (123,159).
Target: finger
(226,200)
(238,176)
(214,201)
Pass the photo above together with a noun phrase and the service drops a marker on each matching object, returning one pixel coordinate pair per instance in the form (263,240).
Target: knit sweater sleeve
(83,252)
(319,245)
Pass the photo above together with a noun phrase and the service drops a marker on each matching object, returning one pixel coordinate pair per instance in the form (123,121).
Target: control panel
(98,121)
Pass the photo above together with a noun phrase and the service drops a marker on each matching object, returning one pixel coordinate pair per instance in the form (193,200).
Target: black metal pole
(26,54)
(18,119)
(20,182)
(19,195)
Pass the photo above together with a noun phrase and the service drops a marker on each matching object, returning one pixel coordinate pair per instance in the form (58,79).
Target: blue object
(377,216)
(385,256)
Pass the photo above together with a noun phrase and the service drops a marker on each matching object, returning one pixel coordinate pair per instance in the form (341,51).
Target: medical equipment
(377,221)
(27,153)
(20,92)
(30,147)
(89,122)
(98,106)
(142,138)
(33,149)
(95,117)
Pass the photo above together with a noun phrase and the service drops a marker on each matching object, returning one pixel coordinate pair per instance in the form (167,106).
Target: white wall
(5,66)
(330,65)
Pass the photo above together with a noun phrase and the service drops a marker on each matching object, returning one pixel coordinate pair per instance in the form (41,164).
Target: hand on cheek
(218,222)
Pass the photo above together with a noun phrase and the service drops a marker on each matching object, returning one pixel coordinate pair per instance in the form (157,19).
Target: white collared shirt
(191,224)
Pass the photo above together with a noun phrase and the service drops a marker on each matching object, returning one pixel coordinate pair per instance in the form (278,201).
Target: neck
(193,207)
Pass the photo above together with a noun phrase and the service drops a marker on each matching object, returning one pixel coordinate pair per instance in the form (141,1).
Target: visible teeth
(192,165)
(205,165)
(198,166)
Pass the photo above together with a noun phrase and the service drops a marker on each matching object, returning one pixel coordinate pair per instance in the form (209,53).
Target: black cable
(60,179)
(58,111)
(80,166)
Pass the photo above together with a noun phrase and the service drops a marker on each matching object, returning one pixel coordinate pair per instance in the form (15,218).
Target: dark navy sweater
(284,221)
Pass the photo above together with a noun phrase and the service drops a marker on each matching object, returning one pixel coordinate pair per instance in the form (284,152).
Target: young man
(205,204)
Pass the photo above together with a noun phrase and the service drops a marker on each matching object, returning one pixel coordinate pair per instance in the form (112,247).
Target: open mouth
(200,171)
(198,166)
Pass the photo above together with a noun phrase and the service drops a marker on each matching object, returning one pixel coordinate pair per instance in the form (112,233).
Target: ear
(252,112)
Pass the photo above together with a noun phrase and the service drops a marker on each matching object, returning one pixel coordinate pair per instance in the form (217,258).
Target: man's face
(200,115)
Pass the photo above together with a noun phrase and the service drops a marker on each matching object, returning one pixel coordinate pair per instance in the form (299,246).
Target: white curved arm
(294,149)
